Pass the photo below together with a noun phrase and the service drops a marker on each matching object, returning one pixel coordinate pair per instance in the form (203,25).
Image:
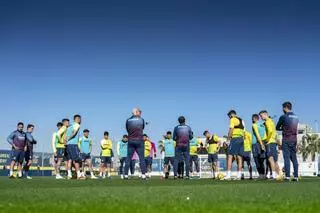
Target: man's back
(135,126)
(182,135)
(288,124)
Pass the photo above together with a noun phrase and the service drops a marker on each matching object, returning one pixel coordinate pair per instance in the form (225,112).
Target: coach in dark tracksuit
(18,142)
(135,126)
(288,124)
(182,134)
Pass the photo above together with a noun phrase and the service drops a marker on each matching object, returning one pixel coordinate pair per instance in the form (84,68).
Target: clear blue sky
(171,58)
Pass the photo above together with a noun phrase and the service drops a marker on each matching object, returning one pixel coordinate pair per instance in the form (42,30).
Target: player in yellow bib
(271,143)
(235,149)
(213,146)
(105,156)
(57,159)
(194,144)
(59,146)
(247,147)
(147,151)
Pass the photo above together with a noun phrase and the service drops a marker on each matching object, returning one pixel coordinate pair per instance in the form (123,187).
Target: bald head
(136,112)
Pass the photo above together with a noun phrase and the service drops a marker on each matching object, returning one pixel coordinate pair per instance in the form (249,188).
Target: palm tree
(310,146)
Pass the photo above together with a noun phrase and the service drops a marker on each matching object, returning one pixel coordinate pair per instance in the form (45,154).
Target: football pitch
(50,195)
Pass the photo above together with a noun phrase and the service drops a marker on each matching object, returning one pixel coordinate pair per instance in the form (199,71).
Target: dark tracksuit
(29,153)
(288,124)
(30,142)
(135,126)
(19,140)
(182,134)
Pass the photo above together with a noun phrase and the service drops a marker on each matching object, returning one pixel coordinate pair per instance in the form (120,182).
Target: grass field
(48,195)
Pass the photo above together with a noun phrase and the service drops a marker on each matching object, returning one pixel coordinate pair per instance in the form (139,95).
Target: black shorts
(272,151)
(105,160)
(212,158)
(246,156)
(194,158)
(28,156)
(61,152)
(85,156)
(168,160)
(17,156)
(74,152)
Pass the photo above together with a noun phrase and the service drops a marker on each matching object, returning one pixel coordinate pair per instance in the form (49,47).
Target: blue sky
(171,58)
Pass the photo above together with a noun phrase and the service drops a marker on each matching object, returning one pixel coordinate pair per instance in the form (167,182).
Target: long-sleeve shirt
(135,126)
(288,124)
(271,131)
(247,144)
(18,139)
(30,141)
(61,134)
(182,134)
(54,142)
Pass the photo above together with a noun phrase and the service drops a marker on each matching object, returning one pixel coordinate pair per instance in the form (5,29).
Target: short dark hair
(205,132)
(169,133)
(59,124)
(65,119)
(287,105)
(76,116)
(106,133)
(86,130)
(263,111)
(30,125)
(255,116)
(232,112)
(145,135)
(125,136)
(20,123)
(181,119)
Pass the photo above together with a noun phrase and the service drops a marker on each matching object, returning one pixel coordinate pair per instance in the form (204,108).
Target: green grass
(48,195)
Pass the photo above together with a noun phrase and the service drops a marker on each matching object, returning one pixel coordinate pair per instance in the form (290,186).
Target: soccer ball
(281,177)
(221,176)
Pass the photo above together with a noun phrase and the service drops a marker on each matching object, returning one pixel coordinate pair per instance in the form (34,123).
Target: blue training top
(135,127)
(182,134)
(288,124)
